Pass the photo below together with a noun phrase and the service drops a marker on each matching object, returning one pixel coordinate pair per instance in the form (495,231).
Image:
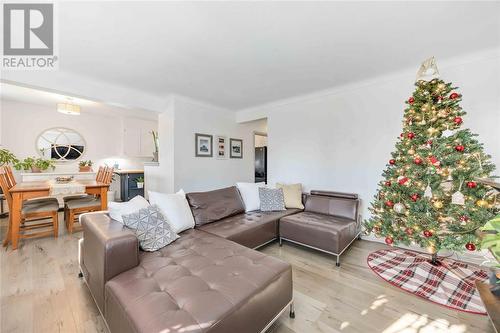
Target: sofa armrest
(108,249)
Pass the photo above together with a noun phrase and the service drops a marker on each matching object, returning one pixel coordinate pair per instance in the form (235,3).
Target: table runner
(64,189)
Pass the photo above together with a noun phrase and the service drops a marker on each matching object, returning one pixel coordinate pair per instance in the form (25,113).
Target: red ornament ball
(410,135)
(440,98)
(464,218)
(418,160)
(427,233)
(389,203)
(470,247)
(411,100)
(429,142)
(409,231)
(471,184)
(459,148)
(392,161)
(388,183)
(414,197)
(403,180)
(458,120)
(454,95)
(389,240)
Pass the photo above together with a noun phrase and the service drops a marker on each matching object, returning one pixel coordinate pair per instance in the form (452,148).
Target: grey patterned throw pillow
(271,199)
(151,228)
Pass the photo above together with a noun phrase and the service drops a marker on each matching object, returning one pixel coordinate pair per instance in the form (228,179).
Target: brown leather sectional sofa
(208,280)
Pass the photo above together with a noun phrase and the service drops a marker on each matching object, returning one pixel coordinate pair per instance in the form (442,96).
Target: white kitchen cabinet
(137,138)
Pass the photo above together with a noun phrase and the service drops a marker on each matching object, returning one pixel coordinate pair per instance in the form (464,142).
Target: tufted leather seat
(199,283)
(250,229)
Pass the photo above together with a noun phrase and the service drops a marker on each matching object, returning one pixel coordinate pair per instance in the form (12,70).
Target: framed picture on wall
(203,145)
(221,144)
(236,148)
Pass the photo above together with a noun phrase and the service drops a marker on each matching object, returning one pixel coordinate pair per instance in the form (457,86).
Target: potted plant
(140,182)
(155,141)
(35,164)
(85,166)
(7,157)
(491,241)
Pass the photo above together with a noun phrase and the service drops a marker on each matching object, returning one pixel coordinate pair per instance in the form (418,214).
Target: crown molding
(262,111)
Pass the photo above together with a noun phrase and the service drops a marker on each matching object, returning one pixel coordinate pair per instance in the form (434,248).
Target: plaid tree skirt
(450,284)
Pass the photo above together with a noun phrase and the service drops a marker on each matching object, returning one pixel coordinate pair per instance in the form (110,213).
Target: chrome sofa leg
(338,261)
(292,311)
(281,242)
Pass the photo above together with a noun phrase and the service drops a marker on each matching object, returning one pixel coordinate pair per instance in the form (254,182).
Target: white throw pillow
(176,209)
(117,209)
(250,194)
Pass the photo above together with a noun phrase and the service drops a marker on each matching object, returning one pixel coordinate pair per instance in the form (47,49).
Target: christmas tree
(430,195)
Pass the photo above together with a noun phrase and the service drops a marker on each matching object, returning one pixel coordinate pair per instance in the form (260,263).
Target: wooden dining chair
(75,207)
(34,212)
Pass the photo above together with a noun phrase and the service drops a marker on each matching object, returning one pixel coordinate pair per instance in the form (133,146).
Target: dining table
(36,189)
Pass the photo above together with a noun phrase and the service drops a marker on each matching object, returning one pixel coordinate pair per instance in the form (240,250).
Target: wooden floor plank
(40,292)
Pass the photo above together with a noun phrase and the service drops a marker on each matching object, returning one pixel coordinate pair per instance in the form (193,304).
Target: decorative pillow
(117,209)
(271,199)
(175,208)
(215,205)
(292,194)
(151,228)
(250,195)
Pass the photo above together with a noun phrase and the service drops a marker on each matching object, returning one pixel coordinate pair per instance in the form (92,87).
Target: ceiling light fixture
(68,108)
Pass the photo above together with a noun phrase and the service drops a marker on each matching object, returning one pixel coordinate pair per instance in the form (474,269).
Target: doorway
(260,143)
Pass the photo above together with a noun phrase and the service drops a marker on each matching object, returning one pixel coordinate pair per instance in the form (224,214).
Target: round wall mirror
(60,144)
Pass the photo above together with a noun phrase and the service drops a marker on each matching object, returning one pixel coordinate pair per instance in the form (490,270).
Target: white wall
(342,140)
(205,173)
(21,123)
(178,125)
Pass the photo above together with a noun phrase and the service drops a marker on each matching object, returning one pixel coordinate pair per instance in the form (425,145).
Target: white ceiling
(241,54)
(16,93)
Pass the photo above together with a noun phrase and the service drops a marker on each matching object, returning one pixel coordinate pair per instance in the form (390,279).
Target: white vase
(140,185)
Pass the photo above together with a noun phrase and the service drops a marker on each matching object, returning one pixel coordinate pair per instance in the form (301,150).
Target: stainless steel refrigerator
(261,164)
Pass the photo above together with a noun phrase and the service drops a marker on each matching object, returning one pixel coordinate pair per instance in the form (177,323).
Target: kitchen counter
(128,171)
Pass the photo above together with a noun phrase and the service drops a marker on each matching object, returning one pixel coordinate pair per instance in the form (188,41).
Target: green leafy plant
(34,163)
(139,180)
(155,139)
(7,157)
(88,163)
(491,237)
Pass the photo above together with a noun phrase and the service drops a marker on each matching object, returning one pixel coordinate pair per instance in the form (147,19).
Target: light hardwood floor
(40,292)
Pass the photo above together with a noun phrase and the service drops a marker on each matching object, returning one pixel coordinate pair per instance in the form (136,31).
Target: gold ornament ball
(438,204)
(432,131)
(411,152)
(482,203)
(442,114)
(441,86)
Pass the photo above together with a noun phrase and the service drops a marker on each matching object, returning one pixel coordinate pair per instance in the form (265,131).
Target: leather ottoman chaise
(329,223)
(199,283)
